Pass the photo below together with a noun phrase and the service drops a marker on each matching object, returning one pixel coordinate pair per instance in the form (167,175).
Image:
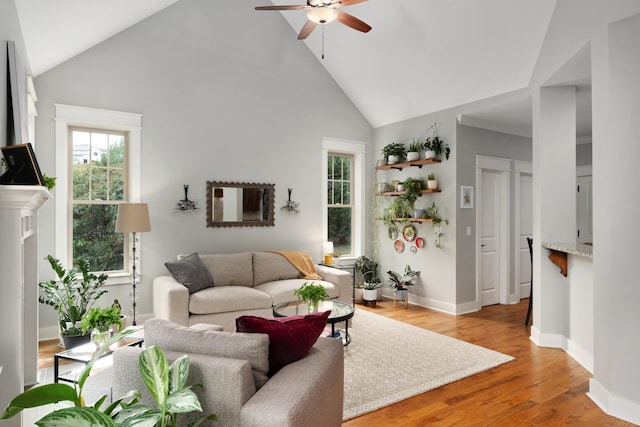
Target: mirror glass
(239,204)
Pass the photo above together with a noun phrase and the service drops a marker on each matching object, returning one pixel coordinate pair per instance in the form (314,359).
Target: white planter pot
(419,212)
(432,184)
(430,154)
(400,187)
(392,159)
(413,155)
(370,294)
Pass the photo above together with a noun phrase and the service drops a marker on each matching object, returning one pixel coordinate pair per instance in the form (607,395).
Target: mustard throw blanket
(303,262)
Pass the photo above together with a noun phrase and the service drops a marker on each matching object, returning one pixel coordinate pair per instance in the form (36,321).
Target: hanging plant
(436,223)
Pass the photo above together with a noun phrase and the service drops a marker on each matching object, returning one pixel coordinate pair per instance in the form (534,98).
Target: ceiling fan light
(322,15)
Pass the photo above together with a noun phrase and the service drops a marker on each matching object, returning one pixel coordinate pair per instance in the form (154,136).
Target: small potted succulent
(432,182)
(311,294)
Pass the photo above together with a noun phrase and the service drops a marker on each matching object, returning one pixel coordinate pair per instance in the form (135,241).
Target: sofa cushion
(230,269)
(268,267)
(282,290)
(290,338)
(253,348)
(190,272)
(223,299)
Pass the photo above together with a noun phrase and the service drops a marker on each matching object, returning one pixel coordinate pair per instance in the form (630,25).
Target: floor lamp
(133,218)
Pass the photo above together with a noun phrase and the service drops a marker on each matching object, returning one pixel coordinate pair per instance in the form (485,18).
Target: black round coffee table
(340,312)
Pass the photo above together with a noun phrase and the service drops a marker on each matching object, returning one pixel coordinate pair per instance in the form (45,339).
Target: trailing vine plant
(436,223)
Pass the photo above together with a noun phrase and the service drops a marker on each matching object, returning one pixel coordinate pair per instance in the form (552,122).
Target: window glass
(339,205)
(99,183)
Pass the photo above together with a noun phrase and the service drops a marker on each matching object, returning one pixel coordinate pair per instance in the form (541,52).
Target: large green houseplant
(72,295)
(166,384)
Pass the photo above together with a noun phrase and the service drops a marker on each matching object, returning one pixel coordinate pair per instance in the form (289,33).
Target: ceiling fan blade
(353,22)
(349,2)
(298,7)
(306,30)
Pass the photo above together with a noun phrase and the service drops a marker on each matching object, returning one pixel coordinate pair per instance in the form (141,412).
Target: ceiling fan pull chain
(323,42)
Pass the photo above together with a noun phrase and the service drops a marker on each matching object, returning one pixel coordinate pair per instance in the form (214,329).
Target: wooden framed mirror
(240,204)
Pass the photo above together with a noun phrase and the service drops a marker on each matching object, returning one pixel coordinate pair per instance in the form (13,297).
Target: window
(99,182)
(340,203)
(343,201)
(97,166)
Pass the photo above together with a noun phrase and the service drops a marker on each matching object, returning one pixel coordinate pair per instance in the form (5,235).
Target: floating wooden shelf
(398,193)
(417,163)
(413,219)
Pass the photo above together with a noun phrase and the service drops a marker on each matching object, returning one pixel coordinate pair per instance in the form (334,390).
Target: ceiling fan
(324,12)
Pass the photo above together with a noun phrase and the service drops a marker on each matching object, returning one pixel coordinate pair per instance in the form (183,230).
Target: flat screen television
(22,166)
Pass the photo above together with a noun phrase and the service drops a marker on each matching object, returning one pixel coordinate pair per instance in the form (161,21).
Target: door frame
(519,168)
(503,166)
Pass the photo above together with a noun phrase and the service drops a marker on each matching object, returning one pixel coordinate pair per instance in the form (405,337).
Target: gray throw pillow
(191,272)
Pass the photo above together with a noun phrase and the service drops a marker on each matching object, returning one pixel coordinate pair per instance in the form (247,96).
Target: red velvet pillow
(290,338)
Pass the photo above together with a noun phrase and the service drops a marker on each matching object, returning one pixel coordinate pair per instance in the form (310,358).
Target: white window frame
(68,116)
(358,151)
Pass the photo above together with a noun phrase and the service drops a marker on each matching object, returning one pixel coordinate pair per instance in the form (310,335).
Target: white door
(490,238)
(584,203)
(526,230)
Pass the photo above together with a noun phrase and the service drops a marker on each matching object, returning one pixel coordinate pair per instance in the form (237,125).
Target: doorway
(492,217)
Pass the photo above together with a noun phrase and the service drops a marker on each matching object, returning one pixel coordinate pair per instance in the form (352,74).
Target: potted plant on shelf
(414,150)
(99,320)
(400,282)
(166,383)
(435,145)
(74,294)
(311,294)
(394,152)
(432,182)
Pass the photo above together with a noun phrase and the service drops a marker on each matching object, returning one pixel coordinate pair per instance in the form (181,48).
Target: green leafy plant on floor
(73,294)
(166,383)
(399,282)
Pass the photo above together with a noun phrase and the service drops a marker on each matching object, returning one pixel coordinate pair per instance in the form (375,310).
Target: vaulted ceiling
(420,57)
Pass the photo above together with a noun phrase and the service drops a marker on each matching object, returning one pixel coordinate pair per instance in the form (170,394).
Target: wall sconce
(186,204)
(290,206)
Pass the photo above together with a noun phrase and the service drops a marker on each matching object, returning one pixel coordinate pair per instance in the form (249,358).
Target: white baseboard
(580,355)
(613,405)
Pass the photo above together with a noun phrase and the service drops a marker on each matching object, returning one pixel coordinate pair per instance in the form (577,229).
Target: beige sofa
(232,367)
(243,283)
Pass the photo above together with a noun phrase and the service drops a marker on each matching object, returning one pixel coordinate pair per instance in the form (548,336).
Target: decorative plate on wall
(414,249)
(392,232)
(398,245)
(409,233)
(420,242)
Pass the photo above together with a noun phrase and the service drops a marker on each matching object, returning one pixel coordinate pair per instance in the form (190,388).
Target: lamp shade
(133,218)
(328,247)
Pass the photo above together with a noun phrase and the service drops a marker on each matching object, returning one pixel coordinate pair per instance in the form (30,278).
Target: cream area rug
(389,361)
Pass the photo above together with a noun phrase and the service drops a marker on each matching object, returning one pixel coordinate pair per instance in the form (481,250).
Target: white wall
(615,67)
(220,103)
(471,142)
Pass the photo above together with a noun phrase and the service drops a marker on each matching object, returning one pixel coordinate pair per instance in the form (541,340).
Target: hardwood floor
(543,386)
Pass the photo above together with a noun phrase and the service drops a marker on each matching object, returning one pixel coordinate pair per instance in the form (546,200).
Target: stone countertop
(571,248)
